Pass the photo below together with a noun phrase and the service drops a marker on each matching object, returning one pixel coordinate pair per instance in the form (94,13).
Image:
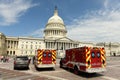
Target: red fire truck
(45,58)
(86,59)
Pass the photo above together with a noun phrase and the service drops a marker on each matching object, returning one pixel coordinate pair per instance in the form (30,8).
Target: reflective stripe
(103,57)
(53,57)
(88,58)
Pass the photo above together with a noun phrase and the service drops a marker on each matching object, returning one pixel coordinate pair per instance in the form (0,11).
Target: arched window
(13,52)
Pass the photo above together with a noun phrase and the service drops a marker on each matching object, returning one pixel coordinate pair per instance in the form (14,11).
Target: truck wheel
(76,71)
(61,65)
(14,68)
(36,67)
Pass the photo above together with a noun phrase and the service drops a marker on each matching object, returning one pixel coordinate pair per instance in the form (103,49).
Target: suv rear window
(22,58)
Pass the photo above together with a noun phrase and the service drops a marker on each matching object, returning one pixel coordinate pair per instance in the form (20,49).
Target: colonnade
(60,45)
(12,46)
(55,32)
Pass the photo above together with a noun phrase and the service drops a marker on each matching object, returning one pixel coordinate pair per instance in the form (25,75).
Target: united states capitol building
(54,38)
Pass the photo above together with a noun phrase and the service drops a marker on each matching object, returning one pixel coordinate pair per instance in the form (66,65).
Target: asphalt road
(7,72)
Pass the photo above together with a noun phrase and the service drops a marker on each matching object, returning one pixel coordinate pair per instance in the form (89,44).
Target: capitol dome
(55,19)
(55,27)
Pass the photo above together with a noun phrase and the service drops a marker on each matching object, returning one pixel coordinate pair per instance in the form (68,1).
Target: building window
(7,52)
(31,52)
(35,46)
(10,52)
(13,52)
(31,46)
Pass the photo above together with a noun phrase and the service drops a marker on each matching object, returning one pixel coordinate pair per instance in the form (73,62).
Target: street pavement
(7,72)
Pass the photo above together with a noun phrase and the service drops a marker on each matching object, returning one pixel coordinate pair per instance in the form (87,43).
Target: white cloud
(98,26)
(11,10)
(112,4)
(38,33)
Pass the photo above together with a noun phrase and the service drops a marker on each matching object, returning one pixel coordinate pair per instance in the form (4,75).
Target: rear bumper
(21,65)
(95,70)
(45,66)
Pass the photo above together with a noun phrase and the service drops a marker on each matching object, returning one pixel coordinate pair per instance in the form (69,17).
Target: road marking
(109,78)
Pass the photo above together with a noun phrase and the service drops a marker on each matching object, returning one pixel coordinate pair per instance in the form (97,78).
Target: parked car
(21,62)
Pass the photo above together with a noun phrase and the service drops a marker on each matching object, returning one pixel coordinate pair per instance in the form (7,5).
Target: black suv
(21,62)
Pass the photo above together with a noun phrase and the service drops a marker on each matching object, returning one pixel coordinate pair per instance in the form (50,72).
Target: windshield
(22,58)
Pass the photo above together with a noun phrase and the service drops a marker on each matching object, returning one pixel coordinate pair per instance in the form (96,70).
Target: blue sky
(85,20)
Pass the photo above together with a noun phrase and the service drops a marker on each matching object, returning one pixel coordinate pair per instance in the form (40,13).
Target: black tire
(76,70)
(36,68)
(61,65)
(14,68)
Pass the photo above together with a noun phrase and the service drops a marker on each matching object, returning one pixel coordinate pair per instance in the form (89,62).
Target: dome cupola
(55,27)
(55,18)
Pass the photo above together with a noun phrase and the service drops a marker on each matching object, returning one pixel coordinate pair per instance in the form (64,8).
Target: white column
(66,45)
